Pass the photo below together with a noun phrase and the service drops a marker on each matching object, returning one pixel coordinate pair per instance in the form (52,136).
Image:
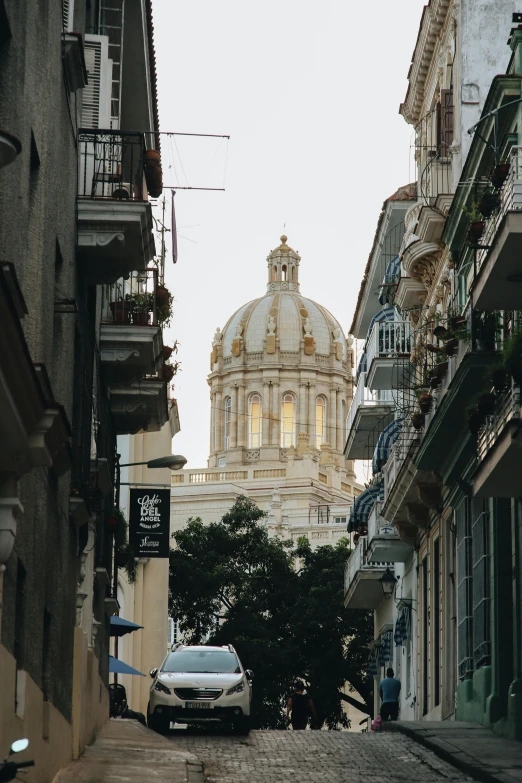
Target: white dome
(293,316)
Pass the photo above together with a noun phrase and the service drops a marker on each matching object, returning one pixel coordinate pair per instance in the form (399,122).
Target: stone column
(340,444)
(212,422)
(233,416)
(302,418)
(311,413)
(218,419)
(265,424)
(276,414)
(332,419)
(241,417)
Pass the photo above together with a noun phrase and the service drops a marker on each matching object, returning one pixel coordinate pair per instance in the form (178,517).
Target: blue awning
(387,313)
(391,278)
(386,440)
(403,626)
(385,650)
(119,667)
(362,507)
(120,627)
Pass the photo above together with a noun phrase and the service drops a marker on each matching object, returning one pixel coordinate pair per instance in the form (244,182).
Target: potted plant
(168,372)
(417,420)
(500,173)
(167,352)
(435,381)
(141,305)
(425,402)
(121,310)
(126,559)
(153,172)
(488,204)
(512,356)
(163,295)
(164,312)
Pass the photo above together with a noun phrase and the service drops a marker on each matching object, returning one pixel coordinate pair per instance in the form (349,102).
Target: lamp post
(388,582)
(171,461)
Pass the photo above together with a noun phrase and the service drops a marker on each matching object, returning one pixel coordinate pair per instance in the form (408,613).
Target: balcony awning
(362,506)
(386,440)
(391,278)
(402,632)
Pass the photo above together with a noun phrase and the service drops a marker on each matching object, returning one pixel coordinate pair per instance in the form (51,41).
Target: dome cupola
(283,268)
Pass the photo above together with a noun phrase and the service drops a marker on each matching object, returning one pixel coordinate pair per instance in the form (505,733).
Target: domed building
(280,386)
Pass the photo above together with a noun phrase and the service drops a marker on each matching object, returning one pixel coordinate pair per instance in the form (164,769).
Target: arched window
(254,421)
(283,273)
(288,420)
(228,410)
(320,421)
(274,273)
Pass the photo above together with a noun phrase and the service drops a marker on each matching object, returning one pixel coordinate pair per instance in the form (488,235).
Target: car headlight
(236,688)
(160,687)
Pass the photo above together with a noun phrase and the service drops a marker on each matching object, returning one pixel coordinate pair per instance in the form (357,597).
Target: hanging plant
(425,402)
(167,352)
(126,560)
(162,295)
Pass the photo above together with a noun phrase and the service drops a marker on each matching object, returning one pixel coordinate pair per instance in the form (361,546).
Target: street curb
(455,757)
(195,772)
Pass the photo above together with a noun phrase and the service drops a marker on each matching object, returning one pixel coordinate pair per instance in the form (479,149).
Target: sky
(309,93)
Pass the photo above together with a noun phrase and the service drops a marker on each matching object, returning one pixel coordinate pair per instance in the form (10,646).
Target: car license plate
(198,705)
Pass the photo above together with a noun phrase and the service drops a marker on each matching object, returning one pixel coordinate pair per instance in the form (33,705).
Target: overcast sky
(309,93)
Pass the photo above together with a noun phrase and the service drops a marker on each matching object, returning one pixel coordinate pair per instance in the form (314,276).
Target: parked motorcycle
(9,769)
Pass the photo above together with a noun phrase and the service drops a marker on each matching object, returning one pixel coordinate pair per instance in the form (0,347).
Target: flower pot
(168,372)
(120,311)
(152,157)
(154,180)
(425,403)
(499,175)
(475,421)
(417,420)
(167,352)
(475,230)
(442,369)
(486,404)
(451,346)
(435,382)
(488,204)
(162,295)
(140,319)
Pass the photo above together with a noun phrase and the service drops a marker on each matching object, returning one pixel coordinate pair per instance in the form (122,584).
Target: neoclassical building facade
(280,386)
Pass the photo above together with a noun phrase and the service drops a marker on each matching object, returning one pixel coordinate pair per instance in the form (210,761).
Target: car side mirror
(249,674)
(153,673)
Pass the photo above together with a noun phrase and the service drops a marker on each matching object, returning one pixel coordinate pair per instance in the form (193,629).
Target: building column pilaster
(212,422)
(302,418)
(332,418)
(275,414)
(218,429)
(311,413)
(265,424)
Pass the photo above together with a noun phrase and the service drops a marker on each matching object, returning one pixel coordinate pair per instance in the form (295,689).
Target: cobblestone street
(318,756)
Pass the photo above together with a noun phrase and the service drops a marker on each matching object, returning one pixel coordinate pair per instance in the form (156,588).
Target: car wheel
(158,723)
(242,726)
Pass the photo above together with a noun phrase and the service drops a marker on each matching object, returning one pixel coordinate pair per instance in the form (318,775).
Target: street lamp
(172,461)
(388,582)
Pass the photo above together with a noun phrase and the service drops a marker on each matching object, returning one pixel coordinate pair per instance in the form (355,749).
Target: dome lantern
(283,268)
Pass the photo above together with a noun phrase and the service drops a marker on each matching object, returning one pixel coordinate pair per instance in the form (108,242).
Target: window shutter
(68,15)
(446,122)
(96,95)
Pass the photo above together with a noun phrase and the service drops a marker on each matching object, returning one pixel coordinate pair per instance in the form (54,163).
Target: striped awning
(402,632)
(391,278)
(372,667)
(385,650)
(384,443)
(362,366)
(362,507)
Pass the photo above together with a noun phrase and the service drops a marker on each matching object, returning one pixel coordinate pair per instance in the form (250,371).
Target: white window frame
(320,437)
(289,439)
(254,438)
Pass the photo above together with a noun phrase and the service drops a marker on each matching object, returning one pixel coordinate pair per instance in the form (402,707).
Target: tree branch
(359,705)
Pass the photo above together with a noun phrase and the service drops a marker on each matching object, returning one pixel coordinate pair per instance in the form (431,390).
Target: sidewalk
(469,747)
(127,751)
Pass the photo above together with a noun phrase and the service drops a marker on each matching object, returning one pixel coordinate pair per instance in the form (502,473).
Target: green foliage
(231,583)
(472,212)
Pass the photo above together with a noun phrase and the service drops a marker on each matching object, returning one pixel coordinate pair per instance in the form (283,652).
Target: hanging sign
(149,522)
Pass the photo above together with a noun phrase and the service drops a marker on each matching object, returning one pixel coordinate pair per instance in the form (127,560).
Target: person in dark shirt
(301,706)
(389,690)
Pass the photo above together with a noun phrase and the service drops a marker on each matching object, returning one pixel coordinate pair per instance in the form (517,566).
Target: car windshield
(202,661)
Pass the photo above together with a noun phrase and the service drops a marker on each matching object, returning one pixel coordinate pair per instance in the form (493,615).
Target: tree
(279,605)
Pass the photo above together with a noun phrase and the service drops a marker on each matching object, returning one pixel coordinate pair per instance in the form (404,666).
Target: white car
(200,684)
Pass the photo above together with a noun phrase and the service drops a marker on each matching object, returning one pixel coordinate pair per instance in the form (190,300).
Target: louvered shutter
(96,108)
(446,122)
(68,15)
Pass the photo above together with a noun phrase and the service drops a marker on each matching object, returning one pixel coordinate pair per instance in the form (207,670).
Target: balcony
(388,346)
(141,405)
(362,586)
(115,230)
(368,409)
(384,542)
(500,450)
(498,273)
(130,337)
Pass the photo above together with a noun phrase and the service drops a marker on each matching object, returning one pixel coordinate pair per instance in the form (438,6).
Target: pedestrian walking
(301,706)
(389,690)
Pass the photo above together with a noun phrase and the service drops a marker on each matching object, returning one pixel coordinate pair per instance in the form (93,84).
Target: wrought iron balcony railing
(358,561)
(507,409)
(133,301)
(112,165)
(388,340)
(366,398)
